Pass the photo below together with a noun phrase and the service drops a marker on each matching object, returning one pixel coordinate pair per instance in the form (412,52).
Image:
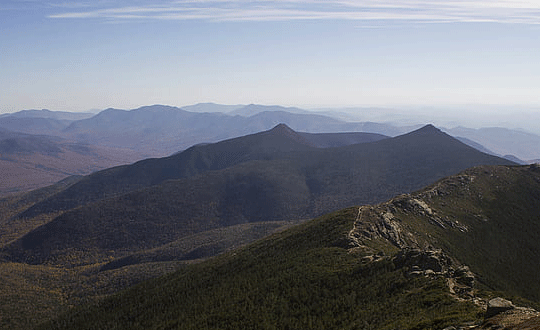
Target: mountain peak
(285,131)
(282,128)
(429,128)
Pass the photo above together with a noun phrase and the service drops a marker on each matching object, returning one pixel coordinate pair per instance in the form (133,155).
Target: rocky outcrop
(385,221)
(418,206)
(432,263)
(380,222)
(420,262)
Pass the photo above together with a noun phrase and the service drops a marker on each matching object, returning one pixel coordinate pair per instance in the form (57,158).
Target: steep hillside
(159,215)
(198,159)
(487,217)
(426,260)
(427,154)
(302,278)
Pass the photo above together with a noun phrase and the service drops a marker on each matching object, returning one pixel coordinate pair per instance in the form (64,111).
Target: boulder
(498,305)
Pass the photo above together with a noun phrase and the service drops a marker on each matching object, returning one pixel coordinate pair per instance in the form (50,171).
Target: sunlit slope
(305,277)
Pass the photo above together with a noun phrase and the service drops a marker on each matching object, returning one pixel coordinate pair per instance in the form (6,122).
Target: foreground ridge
(409,263)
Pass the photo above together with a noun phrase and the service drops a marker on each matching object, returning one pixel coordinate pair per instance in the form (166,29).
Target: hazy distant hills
(32,125)
(426,260)
(270,176)
(33,161)
(159,130)
(503,141)
(56,115)
(155,130)
(162,130)
(212,107)
(148,131)
(43,122)
(253,109)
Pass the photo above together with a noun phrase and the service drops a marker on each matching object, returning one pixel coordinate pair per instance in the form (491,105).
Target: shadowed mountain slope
(332,140)
(18,143)
(355,164)
(419,261)
(266,145)
(270,176)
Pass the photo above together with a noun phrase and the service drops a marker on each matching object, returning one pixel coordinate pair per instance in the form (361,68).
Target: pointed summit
(426,131)
(429,128)
(282,128)
(282,137)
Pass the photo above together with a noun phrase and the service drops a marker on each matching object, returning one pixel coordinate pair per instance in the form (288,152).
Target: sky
(81,55)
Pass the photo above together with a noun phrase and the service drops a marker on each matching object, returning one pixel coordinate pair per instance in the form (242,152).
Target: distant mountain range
(157,131)
(503,141)
(33,161)
(48,114)
(162,130)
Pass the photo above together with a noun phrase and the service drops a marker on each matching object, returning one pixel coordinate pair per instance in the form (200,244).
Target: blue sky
(84,55)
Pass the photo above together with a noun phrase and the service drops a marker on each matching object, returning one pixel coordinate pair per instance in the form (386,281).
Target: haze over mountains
(93,235)
(30,161)
(155,131)
(180,128)
(502,141)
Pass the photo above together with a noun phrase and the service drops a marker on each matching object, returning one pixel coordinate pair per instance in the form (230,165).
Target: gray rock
(498,305)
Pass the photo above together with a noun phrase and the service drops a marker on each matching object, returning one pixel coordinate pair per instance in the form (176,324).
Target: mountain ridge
(398,264)
(269,176)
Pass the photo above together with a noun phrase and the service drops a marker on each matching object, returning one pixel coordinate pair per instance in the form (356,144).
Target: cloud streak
(500,11)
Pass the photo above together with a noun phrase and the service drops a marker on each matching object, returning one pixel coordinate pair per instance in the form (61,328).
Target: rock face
(381,224)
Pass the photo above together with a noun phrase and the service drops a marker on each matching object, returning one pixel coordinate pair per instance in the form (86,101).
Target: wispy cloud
(501,11)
